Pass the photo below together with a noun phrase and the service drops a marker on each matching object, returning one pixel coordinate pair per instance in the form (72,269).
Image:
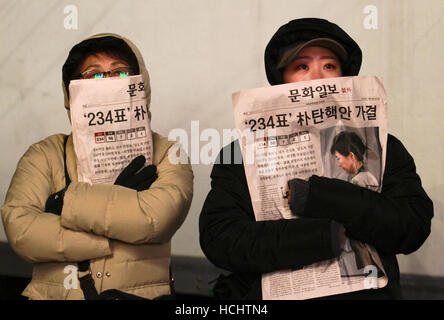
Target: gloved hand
(54,203)
(131,178)
(297,195)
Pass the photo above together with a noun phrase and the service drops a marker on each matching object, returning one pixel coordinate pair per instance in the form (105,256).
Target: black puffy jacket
(397,220)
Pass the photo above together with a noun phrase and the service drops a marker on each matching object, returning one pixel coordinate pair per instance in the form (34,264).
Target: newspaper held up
(294,131)
(110,126)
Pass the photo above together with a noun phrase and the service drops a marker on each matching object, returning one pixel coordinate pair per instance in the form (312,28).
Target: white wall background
(199,52)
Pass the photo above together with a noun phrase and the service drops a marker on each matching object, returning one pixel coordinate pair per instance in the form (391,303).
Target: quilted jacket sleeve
(397,220)
(231,238)
(33,234)
(116,212)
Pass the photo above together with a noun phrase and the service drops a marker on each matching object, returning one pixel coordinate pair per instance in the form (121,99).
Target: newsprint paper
(110,126)
(287,131)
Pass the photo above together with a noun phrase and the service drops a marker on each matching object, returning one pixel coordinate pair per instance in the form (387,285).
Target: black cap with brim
(290,54)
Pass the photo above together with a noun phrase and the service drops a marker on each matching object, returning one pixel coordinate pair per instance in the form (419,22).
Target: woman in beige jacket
(124,233)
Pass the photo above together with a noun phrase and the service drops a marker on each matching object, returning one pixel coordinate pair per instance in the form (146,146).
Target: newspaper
(288,132)
(110,126)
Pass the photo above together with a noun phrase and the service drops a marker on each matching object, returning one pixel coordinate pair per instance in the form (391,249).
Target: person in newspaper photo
(117,234)
(395,221)
(349,151)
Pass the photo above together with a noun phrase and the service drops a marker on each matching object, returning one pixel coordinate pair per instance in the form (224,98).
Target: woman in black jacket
(397,220)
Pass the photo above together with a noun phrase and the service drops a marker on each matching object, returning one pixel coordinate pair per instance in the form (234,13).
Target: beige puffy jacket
(126,234)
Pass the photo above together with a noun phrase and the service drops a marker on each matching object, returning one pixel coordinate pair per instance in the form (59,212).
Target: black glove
(297,195)
(132,178)
(54,204)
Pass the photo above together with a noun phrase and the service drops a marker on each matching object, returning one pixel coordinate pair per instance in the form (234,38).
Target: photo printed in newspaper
(110,126)
(292,131)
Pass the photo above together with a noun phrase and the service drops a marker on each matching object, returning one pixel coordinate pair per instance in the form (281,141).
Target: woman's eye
(301,67)
(330,66)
